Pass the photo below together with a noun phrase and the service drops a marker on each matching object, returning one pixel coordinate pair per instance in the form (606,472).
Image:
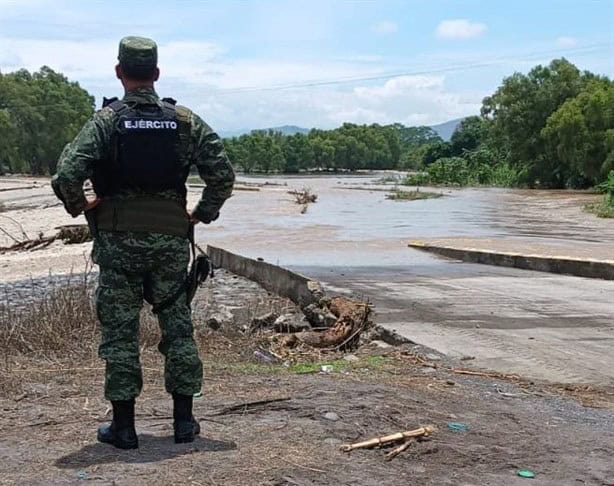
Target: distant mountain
(285,129)
(445,130)
(290,129)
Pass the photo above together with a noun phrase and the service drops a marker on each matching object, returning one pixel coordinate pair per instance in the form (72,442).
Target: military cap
(138,52)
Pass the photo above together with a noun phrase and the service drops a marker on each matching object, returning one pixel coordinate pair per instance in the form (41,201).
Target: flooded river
(349,226)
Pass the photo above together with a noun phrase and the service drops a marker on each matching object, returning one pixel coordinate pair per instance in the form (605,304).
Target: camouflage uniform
(134,265)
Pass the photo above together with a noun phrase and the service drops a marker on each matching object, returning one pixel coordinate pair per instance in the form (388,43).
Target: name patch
(150,124)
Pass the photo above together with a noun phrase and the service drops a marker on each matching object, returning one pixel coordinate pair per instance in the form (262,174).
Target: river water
(352,227)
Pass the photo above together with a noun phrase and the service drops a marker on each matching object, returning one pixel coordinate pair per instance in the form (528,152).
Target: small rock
(351,358)
(290,323)
(382,344)
(332,416)
(433,357)
(450,382)
(428,370)
(219,318)
(213,323)
(264,321)
(319,317)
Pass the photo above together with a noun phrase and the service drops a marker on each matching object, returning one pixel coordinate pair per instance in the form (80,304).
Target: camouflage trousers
(119,299)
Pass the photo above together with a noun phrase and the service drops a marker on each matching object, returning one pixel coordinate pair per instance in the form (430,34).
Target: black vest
(145,151)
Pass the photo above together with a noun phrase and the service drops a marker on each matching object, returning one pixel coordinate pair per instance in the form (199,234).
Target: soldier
(138,153)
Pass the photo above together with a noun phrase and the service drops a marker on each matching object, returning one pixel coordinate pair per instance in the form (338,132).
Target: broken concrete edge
(603,269)
(281,281)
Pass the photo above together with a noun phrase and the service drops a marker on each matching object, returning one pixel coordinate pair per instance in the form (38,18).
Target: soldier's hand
(92,203)
(193,219)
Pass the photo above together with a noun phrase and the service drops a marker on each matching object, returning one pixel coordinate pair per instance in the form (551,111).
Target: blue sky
(414,62)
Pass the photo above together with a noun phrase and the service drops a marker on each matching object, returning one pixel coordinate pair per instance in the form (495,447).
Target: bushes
(458,171)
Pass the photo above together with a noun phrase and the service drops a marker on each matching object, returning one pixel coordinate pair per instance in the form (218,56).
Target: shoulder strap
(108,101)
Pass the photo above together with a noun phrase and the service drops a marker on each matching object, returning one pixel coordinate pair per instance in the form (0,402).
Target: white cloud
(412,100)
(202,76)
(567,42)
(459,29)
(385,27)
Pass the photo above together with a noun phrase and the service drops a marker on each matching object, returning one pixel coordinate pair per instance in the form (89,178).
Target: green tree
(581,132)
(468,135)
(519,110)
(436,150)
(42,112)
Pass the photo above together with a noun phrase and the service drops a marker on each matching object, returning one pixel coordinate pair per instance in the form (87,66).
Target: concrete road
(539,325)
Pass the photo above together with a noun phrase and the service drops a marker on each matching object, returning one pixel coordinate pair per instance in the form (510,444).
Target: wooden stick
(396,451)
(421,432)
(244,407)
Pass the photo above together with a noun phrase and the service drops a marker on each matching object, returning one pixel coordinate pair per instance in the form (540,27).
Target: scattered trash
(198,394)
(458,426)
(326,368)
(526,473)
(82,475)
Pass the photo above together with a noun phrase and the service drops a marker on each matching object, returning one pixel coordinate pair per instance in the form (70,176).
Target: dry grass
(57,327)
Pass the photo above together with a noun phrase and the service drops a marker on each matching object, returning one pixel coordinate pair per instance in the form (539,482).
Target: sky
(318,63)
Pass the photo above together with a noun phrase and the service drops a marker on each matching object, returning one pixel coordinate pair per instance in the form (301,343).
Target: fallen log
(388,439)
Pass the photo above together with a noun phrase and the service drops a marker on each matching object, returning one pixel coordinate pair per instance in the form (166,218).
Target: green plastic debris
(526,473)
(198,394)
(458,426)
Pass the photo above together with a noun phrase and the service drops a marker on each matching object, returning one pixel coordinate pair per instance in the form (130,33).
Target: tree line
(552,127)
(347,148)
(39,113)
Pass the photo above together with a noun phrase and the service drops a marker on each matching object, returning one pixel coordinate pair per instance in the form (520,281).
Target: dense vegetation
(349,147)
(39,113)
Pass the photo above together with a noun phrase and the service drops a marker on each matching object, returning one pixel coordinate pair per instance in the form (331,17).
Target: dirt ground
(48,429)
(51,407)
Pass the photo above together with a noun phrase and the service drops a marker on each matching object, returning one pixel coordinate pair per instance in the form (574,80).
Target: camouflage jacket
(93,145)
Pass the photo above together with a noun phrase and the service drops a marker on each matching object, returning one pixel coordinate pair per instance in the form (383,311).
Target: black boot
(120,432)
(185,425)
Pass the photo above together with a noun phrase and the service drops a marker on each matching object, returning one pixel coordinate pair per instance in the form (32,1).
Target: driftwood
(397,450)
(388,439)
(69,234)
(304,196)
(352,320)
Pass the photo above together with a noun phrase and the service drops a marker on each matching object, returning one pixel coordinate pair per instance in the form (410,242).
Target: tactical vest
(144,158)
(145,152)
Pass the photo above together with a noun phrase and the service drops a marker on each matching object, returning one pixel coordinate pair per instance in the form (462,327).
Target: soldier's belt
(149,215)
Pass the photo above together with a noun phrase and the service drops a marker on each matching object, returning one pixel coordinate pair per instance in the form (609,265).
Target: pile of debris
(69,234)
(333,324)
(291,332)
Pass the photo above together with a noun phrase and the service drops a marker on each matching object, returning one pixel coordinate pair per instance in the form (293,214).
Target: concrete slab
(589,260)
(541,326)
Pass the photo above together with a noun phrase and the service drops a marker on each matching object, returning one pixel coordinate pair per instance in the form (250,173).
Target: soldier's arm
(214,168)
(77,161)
